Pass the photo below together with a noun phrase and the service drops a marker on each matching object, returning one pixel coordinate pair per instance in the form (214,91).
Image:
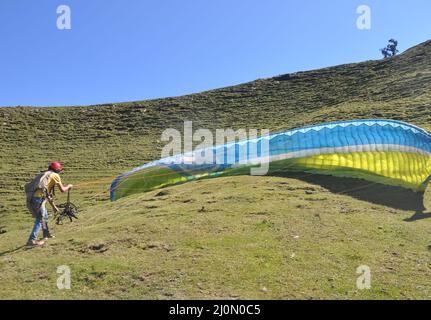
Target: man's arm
(64,189)
(53,206)
(57,182)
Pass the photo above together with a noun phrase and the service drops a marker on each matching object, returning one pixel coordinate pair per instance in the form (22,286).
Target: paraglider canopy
(383,151)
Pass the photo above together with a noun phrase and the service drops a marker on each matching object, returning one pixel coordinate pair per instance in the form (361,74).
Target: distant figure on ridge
(391,49)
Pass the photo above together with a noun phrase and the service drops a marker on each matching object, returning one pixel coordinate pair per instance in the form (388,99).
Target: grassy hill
(286,236)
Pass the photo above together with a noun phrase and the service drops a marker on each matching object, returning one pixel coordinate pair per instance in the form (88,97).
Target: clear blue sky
(138,49)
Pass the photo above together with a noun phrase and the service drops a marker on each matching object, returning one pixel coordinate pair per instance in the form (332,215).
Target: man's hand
(65,188)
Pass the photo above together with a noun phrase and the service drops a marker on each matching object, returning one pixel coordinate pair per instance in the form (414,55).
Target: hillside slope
(296,236)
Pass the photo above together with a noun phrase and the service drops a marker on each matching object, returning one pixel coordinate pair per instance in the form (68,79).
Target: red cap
(55,166)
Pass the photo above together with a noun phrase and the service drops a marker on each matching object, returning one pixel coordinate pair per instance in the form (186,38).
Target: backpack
(39,182)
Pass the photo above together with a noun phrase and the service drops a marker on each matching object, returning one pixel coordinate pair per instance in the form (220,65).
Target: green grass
(252,233)
(286,236)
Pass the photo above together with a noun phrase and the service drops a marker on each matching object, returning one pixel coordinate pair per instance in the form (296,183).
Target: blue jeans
(41,218)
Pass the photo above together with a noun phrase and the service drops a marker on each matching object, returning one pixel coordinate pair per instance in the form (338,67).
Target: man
(44,186)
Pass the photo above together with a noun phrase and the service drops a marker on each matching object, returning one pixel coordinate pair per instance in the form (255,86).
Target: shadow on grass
(394,197)
(419,215)
(12,250)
